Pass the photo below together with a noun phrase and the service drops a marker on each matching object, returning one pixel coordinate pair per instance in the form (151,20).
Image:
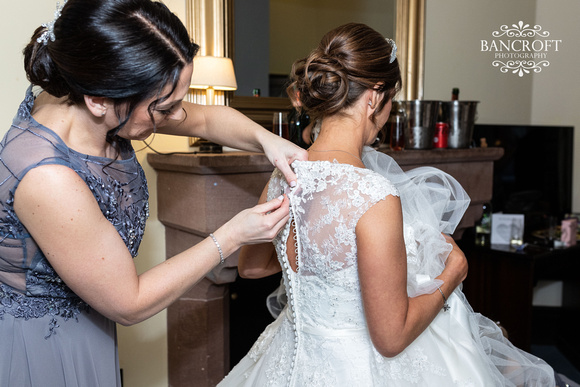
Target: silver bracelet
(445,304)
(219,248)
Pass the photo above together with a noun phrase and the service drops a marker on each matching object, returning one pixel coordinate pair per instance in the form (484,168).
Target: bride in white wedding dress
(372,282)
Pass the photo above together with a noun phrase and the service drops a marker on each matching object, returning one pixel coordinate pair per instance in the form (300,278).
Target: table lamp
(211,73)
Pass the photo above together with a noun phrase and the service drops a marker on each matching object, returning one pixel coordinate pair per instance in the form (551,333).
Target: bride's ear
(374,98)
(98,106)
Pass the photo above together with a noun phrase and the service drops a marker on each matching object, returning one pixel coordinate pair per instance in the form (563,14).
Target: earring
(103,113)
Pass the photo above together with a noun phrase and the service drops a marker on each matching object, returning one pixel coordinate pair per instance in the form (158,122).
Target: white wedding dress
(320,337)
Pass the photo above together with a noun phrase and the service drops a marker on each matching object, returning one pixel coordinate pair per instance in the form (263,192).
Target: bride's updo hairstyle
(126,50)
(349,60)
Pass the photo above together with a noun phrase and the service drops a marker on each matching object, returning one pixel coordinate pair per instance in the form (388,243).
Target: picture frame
(507,229)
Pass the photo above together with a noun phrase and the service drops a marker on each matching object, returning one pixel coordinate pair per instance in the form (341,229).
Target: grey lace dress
(48,335)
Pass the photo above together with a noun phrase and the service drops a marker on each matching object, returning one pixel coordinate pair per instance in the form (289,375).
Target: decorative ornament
(393,50)
(49,33)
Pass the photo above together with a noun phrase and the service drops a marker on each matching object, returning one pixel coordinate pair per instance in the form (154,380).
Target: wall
(252,46)
(453,58)
(297,26)
(454,29)
(16,28)
(272,34)
(556,93)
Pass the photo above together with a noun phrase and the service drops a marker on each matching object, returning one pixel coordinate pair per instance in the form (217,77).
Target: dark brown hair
(125,50)
(349,60)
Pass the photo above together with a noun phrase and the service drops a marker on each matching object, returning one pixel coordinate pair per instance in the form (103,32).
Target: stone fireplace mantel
(198,193)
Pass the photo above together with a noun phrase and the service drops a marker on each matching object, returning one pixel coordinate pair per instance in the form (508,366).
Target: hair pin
(49,33)
(393,50)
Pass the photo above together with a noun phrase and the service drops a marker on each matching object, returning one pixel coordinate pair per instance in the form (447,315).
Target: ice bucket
(421,120)
(461,116)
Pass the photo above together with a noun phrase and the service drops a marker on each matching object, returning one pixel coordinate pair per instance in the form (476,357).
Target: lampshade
(213,72)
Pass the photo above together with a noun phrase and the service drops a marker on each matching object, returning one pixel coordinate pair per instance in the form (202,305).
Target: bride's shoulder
(375,182)
(346,175)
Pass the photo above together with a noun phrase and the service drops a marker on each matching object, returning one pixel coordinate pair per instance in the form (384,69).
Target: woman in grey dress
(74,197)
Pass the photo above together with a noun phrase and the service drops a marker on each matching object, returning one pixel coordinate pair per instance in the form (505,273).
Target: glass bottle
(455,94)
(396,126)
(483,227)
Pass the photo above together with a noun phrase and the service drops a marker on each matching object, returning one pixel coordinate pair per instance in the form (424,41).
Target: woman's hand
(259,260)
(258,224)
(282,153)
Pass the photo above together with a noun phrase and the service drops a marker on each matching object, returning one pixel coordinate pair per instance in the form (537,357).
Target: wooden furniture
(261,109)
(198,193)
(501,280)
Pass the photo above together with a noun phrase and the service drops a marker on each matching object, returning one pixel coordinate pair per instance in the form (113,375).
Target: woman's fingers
(272,205)
(262,222)
(282,153)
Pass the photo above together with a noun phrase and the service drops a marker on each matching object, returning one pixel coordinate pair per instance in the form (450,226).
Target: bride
(372,281)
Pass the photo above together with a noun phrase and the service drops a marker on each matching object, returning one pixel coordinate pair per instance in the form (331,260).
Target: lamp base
(206,146)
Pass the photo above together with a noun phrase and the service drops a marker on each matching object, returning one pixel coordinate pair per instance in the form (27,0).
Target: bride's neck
(338,141)
(340,134)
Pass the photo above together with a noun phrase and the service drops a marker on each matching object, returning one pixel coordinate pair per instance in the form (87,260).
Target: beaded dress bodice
(324,293)
(29,287)
(326,207)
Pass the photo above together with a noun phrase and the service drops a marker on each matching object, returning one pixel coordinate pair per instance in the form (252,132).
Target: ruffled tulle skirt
(459,348)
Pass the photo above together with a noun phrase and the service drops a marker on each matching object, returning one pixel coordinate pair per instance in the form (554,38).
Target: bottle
(455,94)
(483,227)
(298,120)
(256,92)
(441,135)
(280,125)
(396,126)
(517,234)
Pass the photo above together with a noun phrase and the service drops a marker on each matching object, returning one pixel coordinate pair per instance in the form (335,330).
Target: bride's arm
(395,320)
(260,260)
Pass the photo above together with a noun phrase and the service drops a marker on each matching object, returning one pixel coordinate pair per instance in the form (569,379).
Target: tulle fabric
(433,202)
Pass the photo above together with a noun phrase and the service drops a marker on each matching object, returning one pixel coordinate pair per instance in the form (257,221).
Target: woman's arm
(394,319)
(258,260)
(227,126)
(89,255)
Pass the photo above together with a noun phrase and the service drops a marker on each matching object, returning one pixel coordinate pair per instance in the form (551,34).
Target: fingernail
(292,184)
(281,197)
